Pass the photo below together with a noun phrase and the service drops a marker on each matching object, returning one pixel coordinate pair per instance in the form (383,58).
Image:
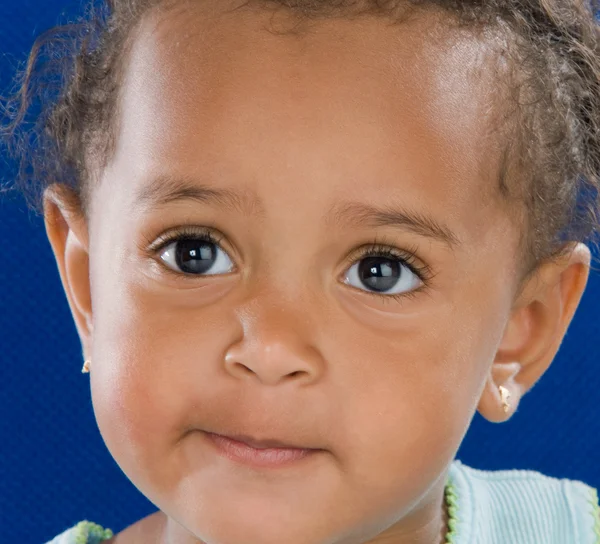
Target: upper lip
(262,444)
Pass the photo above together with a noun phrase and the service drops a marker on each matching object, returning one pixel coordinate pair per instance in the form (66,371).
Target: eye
(200,255)
(383,273)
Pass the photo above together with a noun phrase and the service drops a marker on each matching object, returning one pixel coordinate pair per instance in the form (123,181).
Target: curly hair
(551,162)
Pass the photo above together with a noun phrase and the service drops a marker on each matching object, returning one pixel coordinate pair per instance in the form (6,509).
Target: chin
(231,529)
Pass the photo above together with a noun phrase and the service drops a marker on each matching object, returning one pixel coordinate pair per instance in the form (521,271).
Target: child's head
(297,221)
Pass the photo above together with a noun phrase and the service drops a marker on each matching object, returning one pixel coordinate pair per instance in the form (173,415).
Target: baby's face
(301,152)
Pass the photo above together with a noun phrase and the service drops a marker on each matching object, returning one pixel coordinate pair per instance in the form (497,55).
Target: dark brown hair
(554,144)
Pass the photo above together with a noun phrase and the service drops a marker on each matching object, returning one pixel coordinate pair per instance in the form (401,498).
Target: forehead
(382,107)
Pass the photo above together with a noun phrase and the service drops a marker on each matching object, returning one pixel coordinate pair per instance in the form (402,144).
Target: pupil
(379,273)
(195,256)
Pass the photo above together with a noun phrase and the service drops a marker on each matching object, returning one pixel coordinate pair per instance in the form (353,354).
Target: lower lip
(268,457)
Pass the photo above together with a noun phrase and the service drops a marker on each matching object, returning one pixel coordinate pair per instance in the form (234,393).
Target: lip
(262,444)
(260,453)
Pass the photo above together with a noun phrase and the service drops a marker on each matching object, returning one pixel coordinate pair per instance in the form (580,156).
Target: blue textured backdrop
(54,467)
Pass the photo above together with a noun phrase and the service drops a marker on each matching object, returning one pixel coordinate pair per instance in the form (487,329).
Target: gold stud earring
(504,395)
(86,367)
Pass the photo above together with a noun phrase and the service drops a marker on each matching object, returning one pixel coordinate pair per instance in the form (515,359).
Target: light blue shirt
(489,507)
(522,507)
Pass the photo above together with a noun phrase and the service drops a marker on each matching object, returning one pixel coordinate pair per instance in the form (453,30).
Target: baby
(304,241)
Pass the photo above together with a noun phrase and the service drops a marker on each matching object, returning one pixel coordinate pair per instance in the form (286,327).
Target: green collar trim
(452,502)
(87,532)
(596,514)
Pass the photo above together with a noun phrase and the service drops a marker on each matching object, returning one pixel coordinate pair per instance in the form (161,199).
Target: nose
(275,347)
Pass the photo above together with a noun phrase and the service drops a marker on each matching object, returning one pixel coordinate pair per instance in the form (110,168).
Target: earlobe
(502,392)
(67,233)
(537,325)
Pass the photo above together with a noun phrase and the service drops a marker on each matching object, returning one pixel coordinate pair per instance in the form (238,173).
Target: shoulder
(541,507)
(85,532)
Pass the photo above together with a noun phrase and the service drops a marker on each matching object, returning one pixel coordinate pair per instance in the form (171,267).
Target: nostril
(244,369)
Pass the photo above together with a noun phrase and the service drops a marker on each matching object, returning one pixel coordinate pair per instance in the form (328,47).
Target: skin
(281,346)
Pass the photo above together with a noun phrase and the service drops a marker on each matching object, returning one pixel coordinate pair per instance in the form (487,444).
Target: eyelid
(168,236)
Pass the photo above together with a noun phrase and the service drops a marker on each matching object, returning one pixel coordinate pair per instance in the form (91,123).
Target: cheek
(155,366)
(408,397)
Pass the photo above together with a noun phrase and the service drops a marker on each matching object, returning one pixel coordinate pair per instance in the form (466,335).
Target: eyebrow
(360,214)
(165,189)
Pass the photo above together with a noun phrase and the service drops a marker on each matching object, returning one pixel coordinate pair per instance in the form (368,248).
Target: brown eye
(383,275)
(196,256)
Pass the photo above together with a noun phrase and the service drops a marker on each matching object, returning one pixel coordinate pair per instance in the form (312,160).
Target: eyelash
(184,233)
(377,248)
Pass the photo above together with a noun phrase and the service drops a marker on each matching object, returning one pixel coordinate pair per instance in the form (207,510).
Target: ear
(537,325)
(67,232)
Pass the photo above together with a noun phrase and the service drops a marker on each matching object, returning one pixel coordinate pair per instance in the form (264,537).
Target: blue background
(54,467)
